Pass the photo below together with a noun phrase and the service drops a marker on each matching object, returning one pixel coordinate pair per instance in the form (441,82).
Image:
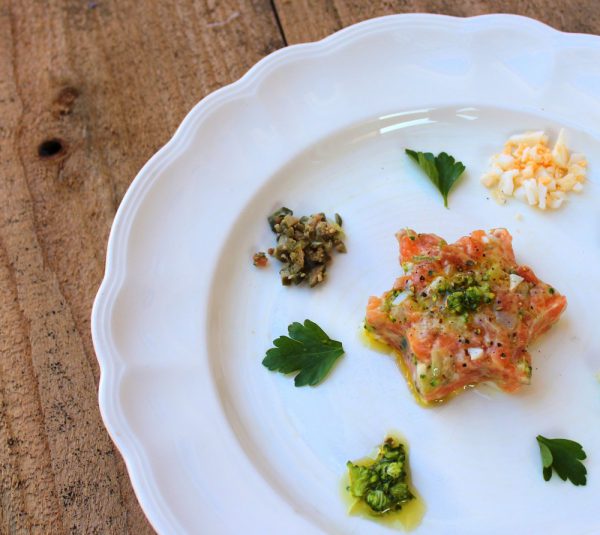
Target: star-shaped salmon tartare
(463,313)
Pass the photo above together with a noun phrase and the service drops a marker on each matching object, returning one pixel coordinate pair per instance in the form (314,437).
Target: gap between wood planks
(278,21)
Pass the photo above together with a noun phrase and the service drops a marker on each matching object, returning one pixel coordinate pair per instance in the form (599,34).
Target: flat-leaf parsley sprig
(443,170)
(564,456)
(307,350)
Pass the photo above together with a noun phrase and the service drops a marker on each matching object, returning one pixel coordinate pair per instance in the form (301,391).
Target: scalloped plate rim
(112,365)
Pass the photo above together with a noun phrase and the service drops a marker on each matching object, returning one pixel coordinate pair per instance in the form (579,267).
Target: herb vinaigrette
(380,488)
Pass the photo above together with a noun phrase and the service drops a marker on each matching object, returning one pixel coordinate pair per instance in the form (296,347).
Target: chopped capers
(304,245)
(276,217)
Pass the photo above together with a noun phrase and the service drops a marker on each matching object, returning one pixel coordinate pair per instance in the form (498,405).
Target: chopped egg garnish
(529,170)
(515,280)
(475,353)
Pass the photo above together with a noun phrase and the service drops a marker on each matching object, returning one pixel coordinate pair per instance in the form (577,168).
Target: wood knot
(51,148)
(65,100)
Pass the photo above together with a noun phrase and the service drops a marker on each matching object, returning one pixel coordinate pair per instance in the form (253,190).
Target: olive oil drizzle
(371,341)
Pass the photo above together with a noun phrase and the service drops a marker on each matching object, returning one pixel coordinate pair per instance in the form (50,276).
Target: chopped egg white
(532,172)
(434,284)
(475,352)
(400,297)
(421,368)
(515,280)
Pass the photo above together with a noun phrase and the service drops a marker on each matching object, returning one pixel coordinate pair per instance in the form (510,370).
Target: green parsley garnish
(564,456)
(382,484)
(469,299)
(443,170)
(307,350)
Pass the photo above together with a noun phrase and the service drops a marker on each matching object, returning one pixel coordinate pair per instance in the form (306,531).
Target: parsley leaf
(443,170)
(564,456)
(308,350)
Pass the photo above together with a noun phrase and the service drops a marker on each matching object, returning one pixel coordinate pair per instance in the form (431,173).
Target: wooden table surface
(89,90)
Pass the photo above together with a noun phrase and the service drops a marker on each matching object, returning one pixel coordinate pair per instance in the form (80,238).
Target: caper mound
(305,245)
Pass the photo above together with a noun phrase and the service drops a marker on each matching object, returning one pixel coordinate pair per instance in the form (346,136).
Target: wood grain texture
(110,82)
(309,20)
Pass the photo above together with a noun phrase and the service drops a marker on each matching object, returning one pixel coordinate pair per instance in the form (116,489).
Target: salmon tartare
(463,313)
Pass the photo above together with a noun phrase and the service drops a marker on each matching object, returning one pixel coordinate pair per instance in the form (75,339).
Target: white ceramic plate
(214,442)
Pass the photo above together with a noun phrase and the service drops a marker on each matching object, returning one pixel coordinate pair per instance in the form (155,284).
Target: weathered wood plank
(104,84)
(309,20)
